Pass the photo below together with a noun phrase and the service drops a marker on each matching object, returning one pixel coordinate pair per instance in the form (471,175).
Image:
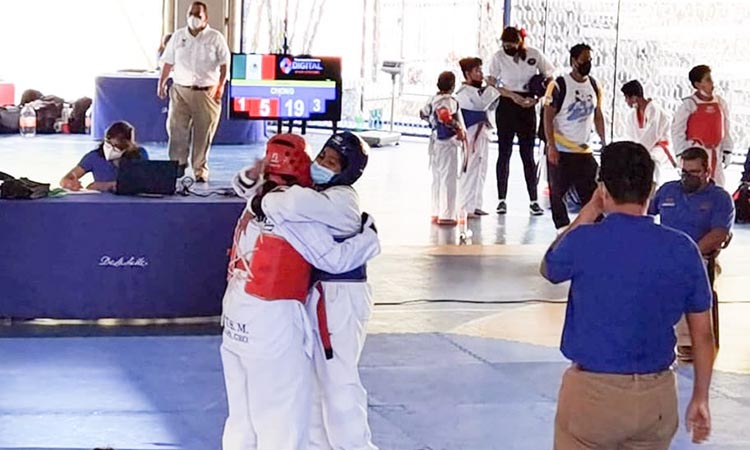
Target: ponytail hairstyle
(513,35)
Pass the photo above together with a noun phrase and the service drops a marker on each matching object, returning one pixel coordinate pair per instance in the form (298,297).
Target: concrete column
(168,17)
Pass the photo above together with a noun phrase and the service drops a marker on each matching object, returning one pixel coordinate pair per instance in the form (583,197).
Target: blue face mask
(320,174)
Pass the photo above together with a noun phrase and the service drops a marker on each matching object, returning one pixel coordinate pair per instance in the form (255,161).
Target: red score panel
(257,107)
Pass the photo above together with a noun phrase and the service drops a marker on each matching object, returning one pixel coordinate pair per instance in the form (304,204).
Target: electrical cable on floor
(470,302)
(187,182)
(506,302)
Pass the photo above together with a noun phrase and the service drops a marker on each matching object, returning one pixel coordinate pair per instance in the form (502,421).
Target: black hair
(697,73)
(513,35)
(627,171)
(446,81)
(201,4)
(694,153)
(576,50)
(123,130)
(632,88)
(469,64)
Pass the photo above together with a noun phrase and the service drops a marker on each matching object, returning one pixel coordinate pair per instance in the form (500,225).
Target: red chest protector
(275,271)
(706,125)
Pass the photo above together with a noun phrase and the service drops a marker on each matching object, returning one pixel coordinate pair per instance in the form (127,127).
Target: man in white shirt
(199,56)
(649,125)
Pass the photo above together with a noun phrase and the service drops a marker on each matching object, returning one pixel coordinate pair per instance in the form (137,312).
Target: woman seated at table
(102,162)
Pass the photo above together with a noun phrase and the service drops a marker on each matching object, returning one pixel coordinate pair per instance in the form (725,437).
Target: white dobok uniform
(713,122)
(652,131)
(475,103)
(267,345)
(443,152)
(339,414)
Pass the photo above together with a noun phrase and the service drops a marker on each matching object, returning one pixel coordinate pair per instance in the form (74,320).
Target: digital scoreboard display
(285,87)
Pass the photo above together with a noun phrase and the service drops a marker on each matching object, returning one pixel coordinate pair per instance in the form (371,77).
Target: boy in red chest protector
(703,121)
(267,341)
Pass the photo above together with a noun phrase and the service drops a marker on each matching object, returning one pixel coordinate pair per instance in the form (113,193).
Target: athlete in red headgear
(340,303)
(267,342)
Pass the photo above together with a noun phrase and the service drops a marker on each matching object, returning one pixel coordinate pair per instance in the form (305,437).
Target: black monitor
(284,87)
(140,176)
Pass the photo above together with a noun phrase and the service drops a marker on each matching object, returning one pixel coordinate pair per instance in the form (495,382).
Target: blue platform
(132,97)
(90,256)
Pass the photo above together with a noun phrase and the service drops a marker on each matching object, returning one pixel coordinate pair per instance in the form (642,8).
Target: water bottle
(65,126)
(88,120)
(464,233)
(27,121)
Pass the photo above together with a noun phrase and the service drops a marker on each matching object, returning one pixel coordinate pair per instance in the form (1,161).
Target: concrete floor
(462,352)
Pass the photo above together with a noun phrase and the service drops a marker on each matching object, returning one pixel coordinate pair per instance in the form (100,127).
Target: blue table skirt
(133,98)
(100,255)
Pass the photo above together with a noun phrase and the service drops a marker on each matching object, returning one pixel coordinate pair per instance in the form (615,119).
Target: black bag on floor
(23,188)
(9,117)
(77,119)
(742,203)
(48,110)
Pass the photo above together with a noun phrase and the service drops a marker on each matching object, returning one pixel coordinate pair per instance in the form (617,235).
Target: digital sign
(285,87)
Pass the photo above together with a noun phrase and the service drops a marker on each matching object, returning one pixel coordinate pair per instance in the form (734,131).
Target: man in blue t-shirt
(701,209)
(631,281)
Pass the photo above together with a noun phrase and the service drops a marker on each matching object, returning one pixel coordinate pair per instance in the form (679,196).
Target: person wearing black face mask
(573,109)
(512,69)
(698,207)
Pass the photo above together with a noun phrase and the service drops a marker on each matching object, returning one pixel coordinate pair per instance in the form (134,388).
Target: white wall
(58,47)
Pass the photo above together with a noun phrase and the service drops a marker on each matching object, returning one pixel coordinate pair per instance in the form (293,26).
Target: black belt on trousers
(195,88)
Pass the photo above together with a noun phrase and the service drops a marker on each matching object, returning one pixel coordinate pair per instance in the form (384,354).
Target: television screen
(285,87)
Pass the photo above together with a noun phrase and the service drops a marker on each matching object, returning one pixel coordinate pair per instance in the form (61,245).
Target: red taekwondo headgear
(286,154)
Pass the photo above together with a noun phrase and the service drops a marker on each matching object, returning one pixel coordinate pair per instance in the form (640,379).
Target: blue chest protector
(444,131)
(356,275)
(473,117)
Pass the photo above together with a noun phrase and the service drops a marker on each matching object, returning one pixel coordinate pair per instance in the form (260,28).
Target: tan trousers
(616,412)
(193,117)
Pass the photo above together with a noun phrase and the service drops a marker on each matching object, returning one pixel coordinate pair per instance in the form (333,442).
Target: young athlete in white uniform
(339,306)
(474,100)
(442,112)
(649,125)
(267,341)
(703,121)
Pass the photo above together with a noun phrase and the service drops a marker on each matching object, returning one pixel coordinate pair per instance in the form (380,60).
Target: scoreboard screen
(285,87)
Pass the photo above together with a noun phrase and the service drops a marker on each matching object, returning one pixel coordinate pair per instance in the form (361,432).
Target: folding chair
(711,269)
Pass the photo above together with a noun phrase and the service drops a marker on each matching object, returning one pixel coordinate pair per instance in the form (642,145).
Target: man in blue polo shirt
(701,209)
(631,281)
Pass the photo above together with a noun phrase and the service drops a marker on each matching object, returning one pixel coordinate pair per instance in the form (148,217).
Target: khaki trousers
(193,117)
(616,412)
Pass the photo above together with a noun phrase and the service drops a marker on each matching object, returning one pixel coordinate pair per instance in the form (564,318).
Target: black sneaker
(501,207)
(535,209)
(479,212)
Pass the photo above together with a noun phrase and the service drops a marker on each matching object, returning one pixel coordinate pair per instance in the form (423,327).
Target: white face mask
(111,152)
(194,22)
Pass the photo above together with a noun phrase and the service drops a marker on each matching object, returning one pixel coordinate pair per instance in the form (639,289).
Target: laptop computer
(137,177)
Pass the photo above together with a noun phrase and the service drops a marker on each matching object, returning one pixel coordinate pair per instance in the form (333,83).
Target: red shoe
(434,219)
(447,222)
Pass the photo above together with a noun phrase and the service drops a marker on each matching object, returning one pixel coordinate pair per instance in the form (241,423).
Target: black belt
(195,88)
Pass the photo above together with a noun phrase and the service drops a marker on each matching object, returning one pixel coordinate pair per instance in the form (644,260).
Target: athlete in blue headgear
(339,306)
